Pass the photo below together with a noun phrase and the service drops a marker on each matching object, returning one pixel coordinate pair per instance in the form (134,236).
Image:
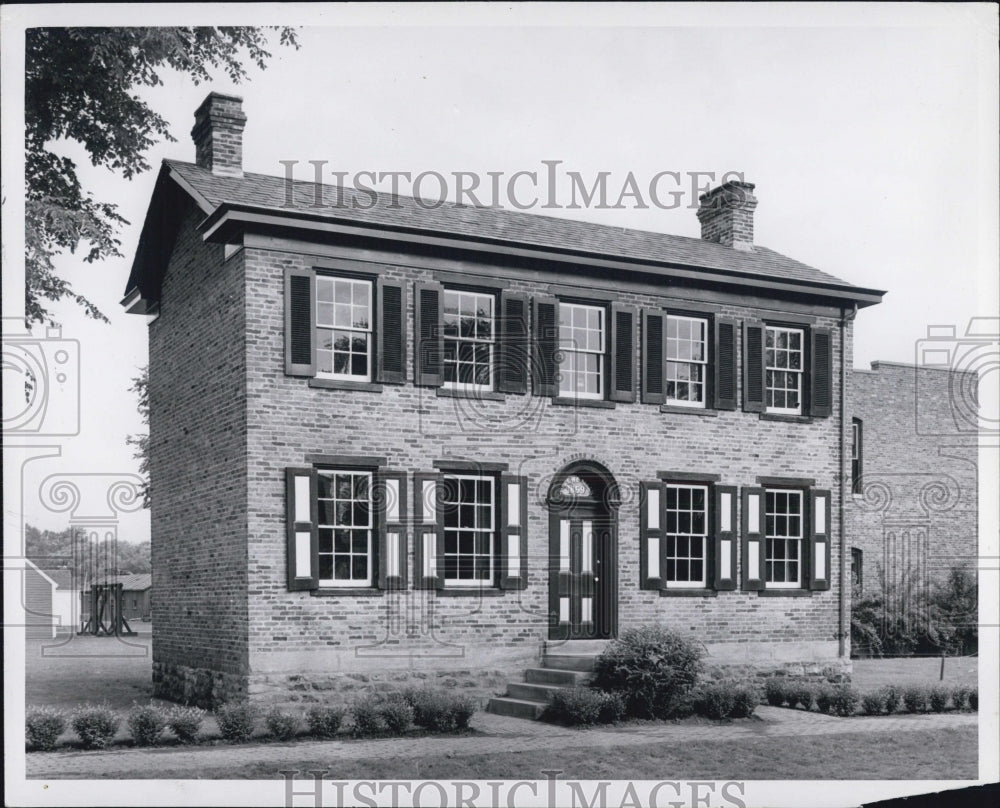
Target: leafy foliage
(367,715)
(80,86)
(43,726)
(915,699)
(95,724)
(746,697)
(185,722)
(938,698)
(801,694)
(324,721)
(580,706)
(776,691)
(439,711)
(146,723)
(53,549)
(281,725)
(974,698)
(397,714)
(716,700)
(845,700)
(824,698)
(140,386)
(873,702)
(893,698)
(236,721)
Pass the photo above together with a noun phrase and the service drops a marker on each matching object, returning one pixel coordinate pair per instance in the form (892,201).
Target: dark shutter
(622,352)
(515,347)
(302,534)
(427,524)
(390,503)
(753,538)
(429,348)
(545,316)
(821,372)
(725,536)
(513,535)
(391,322)
(300,317)
(819,539)
(652,357)
(652,509)
(753,367)
(725,364)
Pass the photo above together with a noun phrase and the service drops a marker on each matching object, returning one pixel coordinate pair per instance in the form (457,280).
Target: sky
(871,136)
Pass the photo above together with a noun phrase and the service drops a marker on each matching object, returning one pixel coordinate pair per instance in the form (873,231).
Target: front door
(582,573)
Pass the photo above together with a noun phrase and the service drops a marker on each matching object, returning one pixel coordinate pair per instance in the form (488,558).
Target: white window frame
(667,534)
(490,531)
(770,536)
(352,329)
(569,349)
(351,583)
(702,363)
(491,343)
(769,368)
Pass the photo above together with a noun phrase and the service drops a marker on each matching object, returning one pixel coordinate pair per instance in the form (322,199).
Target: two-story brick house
(393,442)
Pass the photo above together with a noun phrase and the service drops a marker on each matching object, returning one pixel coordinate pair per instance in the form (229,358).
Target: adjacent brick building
(395,443)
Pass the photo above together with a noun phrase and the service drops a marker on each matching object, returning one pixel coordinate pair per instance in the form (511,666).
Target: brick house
(395,444)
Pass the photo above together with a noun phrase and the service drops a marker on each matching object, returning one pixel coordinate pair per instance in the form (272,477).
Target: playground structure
(106,616)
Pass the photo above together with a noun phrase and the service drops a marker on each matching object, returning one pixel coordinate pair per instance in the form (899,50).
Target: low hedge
(96,724)
(42,727)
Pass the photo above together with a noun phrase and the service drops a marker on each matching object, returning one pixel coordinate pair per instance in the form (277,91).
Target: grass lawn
(870,674)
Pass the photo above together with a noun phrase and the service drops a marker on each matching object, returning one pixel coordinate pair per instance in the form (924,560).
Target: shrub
(185,722)
(281,725)
(938,698)
(43,726)
(824,699)
(95,724)
(324,721)
(577,706)
(438,711)
(146,723)
(653,668)
(236,721)
(715,701)
(397,715)
(612,707)
(845,701)
(745,701)
(915,699)
(462,709)
(776,691)
(960,697)
(366,713)
(872,703)
(802,694)
(974,698)
(893,698)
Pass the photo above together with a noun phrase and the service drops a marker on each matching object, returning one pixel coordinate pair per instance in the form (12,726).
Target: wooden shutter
(819,539)
(724,373)
(514,348)
(652,509)
(753,538)
(545,316)
(753,367)
(622,352)
(513,535)
(725,536)
(391,322)
(300,319)
(390,501)
(302,533)
(653,388)
(821,372)
(428,325)
(428,531)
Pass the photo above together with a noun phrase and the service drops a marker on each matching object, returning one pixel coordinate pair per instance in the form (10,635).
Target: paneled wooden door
(582,574)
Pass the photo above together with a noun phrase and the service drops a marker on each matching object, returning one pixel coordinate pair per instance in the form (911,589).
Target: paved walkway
(494,734)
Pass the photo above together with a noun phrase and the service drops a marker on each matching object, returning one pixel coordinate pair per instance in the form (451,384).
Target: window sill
(338,384)
(333,592)
(785,593)
(688,593)
(474,395)
(598,403)
(689,411)
(788,419)
(472,591)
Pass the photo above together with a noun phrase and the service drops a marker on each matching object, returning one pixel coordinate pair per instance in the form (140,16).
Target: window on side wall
(784,363)
(783,534)
(343,328)
(582,344)
(469,340)
(686,536)
(857,449)
(687,361)
(469,515)
(345,527)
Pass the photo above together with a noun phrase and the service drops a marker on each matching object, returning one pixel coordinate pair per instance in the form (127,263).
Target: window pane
(343,293)
(326,567)
(359,569)
(324,289)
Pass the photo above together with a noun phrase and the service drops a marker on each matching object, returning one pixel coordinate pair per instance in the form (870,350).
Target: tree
(80,85)
(140,386)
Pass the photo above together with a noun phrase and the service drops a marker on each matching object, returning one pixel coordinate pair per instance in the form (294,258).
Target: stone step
(532,692)
(554,676)
(576,647)
(568,662)
(518,708)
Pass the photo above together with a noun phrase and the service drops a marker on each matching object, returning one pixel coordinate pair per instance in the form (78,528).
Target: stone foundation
(199,687)
(834,672)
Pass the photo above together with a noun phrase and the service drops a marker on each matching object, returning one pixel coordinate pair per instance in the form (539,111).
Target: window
(857,572)
(783,539)
(856,454)
(582,344)
(783,364)
(469,339)
(687,360)
(686,536)
(469,527)
(345,528)
(343,328)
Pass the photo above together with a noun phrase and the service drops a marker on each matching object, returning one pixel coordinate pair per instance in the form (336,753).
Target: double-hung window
(857,433)
(469,339)
(468,503)
(784,364)
(582,334)
(686,536)
(783,535)
(345,527)
(687,360)
(343,328)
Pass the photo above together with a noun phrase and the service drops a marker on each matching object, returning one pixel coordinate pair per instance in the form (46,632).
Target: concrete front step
(576,647)
(568,662)
(518,708)
(555,676)
(533,692)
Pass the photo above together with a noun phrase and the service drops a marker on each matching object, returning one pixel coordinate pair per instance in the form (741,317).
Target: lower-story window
(345,528)
(783,539)
(686,535)
(469,528)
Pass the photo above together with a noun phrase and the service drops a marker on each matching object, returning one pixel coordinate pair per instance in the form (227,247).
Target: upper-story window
(345,527)
(469,339)
(686,533)
(582,345)
(469,529)
(687,360)
(783,539)
(857,450)
(783,365)
(343,328)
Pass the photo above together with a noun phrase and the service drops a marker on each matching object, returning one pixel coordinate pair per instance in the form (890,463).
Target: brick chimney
(218,134)
(726,215)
